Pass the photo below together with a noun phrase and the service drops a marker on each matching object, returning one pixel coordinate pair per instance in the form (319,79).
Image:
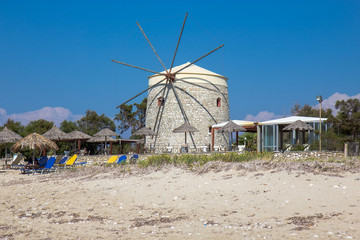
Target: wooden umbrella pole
(105,146)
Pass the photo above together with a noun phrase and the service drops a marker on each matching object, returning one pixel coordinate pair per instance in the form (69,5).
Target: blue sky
(56,55)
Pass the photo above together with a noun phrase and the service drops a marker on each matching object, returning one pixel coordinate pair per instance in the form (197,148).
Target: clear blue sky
(276,53)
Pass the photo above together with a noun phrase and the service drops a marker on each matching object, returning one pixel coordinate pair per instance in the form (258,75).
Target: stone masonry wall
(199,102)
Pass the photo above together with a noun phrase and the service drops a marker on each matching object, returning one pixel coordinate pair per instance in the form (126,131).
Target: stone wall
(200,105)
(308,155)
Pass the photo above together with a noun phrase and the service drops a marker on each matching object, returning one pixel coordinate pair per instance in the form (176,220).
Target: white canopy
(237,122)
(288,120)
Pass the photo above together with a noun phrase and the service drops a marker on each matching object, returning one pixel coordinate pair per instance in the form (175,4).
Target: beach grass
(191,160)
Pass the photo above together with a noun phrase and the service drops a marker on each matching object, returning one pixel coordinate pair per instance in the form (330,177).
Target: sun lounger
(134,158)
(122,159)
(58,159)
(16,160)
(42,161)
(48,167)
(71,161)
(112,159)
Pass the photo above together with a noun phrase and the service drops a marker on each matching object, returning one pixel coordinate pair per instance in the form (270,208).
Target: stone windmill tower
(186,94)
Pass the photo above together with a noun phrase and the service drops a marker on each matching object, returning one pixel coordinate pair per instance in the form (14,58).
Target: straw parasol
(55,134)
(77,135)
(231,127)
(101,139)
(8,136)
(34,141)
(185,128)
(106,132)
(298,126)
(145,132)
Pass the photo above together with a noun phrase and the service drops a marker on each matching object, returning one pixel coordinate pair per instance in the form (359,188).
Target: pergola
(248,125)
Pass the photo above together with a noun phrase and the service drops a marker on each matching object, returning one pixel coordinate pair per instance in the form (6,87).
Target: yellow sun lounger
(112,159)
(71,160)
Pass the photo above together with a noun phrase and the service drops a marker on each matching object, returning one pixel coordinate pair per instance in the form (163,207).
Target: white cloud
(331,101)
(56,115)
(262,116)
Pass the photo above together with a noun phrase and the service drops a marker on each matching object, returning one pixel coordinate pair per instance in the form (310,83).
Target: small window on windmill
(218,102)
(161,101)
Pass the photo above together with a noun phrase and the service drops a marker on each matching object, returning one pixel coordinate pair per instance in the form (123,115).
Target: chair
(203,149)
(216,148)
(122,159)
(70,161)
(288,147)
(58,159)
(241,148)
(63,161)
(307,147)
(112,159)
(48,167)
(134,158)
(42,161)
(16,160)
(169,149)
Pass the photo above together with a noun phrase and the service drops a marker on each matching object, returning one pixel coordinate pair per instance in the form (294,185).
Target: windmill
(175,89)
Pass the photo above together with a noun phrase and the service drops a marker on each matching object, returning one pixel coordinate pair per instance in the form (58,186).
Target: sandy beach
(218,201)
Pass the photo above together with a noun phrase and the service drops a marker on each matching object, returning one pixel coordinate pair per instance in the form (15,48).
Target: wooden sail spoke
(177,45)
(199,58)
(152,47)
(144,69)
(179,102)
(142,92)
(161,109)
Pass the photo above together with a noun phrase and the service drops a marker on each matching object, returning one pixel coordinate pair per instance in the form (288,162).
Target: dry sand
(175,203)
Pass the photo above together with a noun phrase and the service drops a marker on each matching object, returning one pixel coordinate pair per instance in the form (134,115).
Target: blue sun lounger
(134,158)
(122,159)
(49,167)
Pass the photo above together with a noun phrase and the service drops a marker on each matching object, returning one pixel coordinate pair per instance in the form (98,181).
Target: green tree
(347,120)
(92,123)
(14,126)
(40,126)
(132,116)
(309,111)
(68,126)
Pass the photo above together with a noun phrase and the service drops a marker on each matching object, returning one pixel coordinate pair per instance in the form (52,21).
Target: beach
(254,200)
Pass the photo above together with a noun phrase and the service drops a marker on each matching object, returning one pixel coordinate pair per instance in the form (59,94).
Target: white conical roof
(192,73)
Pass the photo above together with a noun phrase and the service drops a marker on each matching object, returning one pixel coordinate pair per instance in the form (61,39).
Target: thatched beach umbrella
(55,134)
(102,139)
(8,136)
(106,132)
(298,126)
(78,136)
(145,132)
(34,141)
(185,128)
(231,127)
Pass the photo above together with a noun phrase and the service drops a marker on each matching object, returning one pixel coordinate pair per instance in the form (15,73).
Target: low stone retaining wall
(308,155)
